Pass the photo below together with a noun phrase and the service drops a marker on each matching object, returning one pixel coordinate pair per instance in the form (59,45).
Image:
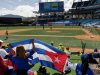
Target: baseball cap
(1,41)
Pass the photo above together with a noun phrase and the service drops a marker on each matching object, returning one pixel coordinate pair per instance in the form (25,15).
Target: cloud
(4,11)
(19,0)
(22,10)
(27,10)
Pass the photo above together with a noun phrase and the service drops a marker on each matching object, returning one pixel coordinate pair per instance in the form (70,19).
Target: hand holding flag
(46,54)
(33,44)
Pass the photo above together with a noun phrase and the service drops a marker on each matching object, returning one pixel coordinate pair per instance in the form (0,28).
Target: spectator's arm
(33,49)
(33,46)
(72,65)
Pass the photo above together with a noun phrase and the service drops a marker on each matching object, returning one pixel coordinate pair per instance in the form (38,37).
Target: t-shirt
(3,53)
(79,70)
(3,67)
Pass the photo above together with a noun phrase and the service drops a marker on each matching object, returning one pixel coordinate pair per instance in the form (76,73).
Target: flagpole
(83,46)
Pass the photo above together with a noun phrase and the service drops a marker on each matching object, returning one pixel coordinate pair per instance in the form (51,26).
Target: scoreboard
(46,7)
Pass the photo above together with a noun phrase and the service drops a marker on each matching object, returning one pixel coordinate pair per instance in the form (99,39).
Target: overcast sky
(26,7)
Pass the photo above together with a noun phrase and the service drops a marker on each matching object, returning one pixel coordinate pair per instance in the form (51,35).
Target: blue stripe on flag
(20,43)
(33,61)
(48,64)
(49,46)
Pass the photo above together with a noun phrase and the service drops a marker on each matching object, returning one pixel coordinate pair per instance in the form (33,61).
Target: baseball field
(71,37)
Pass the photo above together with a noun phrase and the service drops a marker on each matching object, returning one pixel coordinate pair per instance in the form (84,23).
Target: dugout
(10,20)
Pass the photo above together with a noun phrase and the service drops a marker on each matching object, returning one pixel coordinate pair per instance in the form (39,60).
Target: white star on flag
(57,60)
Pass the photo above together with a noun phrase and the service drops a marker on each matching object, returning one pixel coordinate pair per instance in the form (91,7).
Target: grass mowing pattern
(26,27)
(45,32)
(66,41)
(94,31)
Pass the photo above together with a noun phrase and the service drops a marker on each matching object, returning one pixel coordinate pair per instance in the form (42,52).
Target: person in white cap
(3,53)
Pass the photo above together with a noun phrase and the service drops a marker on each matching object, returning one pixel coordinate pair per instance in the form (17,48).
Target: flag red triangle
(59,60)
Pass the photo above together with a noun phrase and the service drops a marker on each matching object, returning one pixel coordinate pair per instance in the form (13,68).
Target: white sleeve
(3,53)
(72,65)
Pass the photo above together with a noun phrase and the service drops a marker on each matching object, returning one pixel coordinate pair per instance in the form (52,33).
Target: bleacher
(79,4)
(49,18)
(74,5)
(85,6)
(83,22)
(89,22)
(86,3)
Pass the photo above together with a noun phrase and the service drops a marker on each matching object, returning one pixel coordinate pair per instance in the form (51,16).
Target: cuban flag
(46,54)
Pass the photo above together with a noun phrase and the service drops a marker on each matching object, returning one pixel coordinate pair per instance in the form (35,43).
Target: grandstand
(85,13)
(87,8)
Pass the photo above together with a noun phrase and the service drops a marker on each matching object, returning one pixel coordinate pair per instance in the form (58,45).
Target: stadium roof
(12,16)
(82,4)
(86,5)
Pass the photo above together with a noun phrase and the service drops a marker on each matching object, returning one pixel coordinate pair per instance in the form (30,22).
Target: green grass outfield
(26,27)
(48,32)
(66,41)
(94,31)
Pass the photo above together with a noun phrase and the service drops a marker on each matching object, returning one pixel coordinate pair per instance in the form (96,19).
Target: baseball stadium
(74,33)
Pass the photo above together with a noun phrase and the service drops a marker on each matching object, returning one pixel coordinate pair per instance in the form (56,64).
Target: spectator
(52,43)
(83,68)
(3,53)
(61,47)
(95,50)
(3,68)
(67,50)
(91,59)
(67,69)
(20,61)
(42,70)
